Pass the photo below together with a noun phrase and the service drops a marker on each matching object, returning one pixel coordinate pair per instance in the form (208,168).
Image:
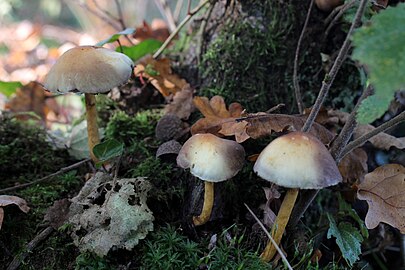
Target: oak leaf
(7,200)
(182,103)
(353,166)
(215,115)
(384,190)
(160,75)
(381,140)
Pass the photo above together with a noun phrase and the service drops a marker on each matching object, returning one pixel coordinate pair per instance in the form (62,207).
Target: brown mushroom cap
(211,158)
(298,160)
(89,69)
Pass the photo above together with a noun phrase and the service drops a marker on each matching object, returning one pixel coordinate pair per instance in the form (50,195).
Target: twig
(167,13)
(120,15)
(15,264)
(99,15)
(61,171)
(179,27)
(270,238)
(297,89)
(330,77)
(382,128)
(177,10)
(342,11)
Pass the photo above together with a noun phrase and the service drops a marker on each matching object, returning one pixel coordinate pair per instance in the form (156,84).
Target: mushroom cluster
(89,70)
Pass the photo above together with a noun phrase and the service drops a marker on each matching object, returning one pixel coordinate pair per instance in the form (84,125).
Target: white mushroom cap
(298,160)
(211,158)
(89,69)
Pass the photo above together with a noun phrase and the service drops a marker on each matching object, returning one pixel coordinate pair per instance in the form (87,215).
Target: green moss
(249,61)
(25,153)
(128,129)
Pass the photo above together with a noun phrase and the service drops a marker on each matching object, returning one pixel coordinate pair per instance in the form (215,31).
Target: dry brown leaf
(215,115)
(268,214)
(160,75)
(182,103)
(7,200)
(156,30)
(382,140)
(384,191)
(264,125)
(30,98)
(353,166)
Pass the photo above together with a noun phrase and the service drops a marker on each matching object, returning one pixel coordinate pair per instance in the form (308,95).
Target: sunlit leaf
(108,149)
(9,88)
(380,47)
(136,52)
(115,37)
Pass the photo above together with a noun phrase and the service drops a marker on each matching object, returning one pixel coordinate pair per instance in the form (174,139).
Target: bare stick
(342,11)
(177,10)
(297,89)
(330,77)
(179,27)
(101,16)
(15,264)
(61,171)
(270,238)
(166,12)
(120,15)
(382,128)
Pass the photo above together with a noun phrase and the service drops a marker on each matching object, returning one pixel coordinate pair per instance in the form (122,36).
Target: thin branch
(167,13)
(120,15)
(297,89)
(270,238)
(177,10)
(179,27)
(104,11)
(101,16)
(382,128)
(61,171)
(342,11)
(330,77)
(15,264)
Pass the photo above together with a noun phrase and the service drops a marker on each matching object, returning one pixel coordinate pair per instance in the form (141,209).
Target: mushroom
(297,160)
(211,159)
(89,70)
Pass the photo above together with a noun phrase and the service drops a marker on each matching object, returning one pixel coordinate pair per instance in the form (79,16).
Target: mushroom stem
(207,206)
(92,127)
(281,222)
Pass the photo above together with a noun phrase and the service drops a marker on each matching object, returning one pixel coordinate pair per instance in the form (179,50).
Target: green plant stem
(330,77)
(179,27)
(297,90)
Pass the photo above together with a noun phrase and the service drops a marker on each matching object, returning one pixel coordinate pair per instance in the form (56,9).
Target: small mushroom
(211,159)
(89,70)
(297,160)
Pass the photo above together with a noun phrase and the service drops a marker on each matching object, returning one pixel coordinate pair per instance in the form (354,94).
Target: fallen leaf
(58,213)
(353,166)
(170,147)
(264,125)
(7,200)
(382,140)
(268,214)
(170,127)
(160,75)
(157,30)
(384,190)
(182,103)
(30,98)
(215,115)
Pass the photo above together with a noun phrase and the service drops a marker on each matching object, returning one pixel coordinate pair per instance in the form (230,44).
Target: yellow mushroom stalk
(297,160)
(211,159)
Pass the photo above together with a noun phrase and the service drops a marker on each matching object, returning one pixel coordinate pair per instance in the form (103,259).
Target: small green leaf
(9,88)
(108,149)
(115,37)
(348,239)
(135,52)
(346,209)
(380,46)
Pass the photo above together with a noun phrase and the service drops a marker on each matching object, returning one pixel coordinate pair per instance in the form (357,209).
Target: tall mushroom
(89,70)
(297,160)
(211,159)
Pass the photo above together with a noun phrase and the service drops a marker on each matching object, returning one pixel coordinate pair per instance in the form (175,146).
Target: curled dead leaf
(353,166)
(384,190)
(382,140)
(182,103)
(7,200)
(160,75)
